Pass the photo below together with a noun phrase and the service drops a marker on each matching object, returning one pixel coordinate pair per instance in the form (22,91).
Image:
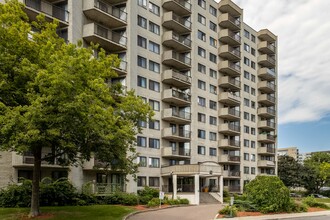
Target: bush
(153,202)
(269,194)
(120,198)
(229,210)
(244,205)
(311,202)
(225,193)
(16,195)
(146,194)
(184,201)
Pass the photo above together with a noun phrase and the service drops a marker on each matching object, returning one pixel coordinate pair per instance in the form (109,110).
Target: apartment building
(288,151)
(210,78)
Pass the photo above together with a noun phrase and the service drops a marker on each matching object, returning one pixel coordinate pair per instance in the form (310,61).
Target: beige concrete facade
(211,79)
(288,151)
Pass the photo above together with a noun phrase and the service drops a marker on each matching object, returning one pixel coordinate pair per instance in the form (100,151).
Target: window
(246,88)
(212,136)
(246,75)
(213,89)
(153,66)
(253,51)
(246,34)
(246,170)
(142,62)
(253,91)
(201,101)
(153,47)
(141,181)
(201,68)
(246,102)
(246,143)
(247,48)
(154,181)
(201,117)
(253,131)
(201,52)
(253,78)
(213,26)
(154,86)
(253,65)
(246,129)
(253,104)
(253,157)
(213,58)
(142,3)
(253,118)
(253,144)
(213,151)
(154,28)
(141,141)
(253,170)
(142,22)
(155,105)
(213,105)
(142,161)
(201,133)
(201,19)
(154,162)
(201,85)
(202,3)
(142,42)
(246,116)
(246,156)
(142,82)
(201,150)
(213,11)
(142,124)
(246,61)
(213,42)
(154,143)
(201,35)
(253,38)
(154,8)
(213,74)
(213,120)
(154,124)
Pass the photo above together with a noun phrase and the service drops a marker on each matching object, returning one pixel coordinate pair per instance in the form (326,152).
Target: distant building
(289,151)
(304,156)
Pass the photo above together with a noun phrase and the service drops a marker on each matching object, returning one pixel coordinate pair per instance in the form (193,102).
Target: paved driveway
(201,212)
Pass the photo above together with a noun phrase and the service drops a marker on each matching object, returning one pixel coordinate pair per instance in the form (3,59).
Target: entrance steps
(209,198)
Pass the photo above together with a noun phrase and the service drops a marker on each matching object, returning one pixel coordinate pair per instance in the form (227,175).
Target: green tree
(318,172)
(57,96)
(290,171)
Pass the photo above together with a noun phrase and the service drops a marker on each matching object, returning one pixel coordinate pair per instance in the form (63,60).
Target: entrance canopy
(203,169)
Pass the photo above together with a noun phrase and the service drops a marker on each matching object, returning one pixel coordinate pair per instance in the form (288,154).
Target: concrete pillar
(175,185)
(196,183)
(220,184)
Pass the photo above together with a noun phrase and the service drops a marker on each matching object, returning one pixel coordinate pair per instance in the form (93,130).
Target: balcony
(266,138)
(122,68)
(230,114)
(229,159)
(229,99)
(176,97)
(116,1)
(267,48)
(267,74)
(266,87)
(176,134)
(266,112)
(267,100)
(229,144)
(176,78)
(227,6)
(176,60)
(106,38)
(231,174)
(180,7)
(229,22)
(266,163)
(227,36)
(229,68)
(179,153)
(175,116)
(267,61)
(35,7)
(266,150)
(229,53)
(227,82)
(27,160)
(230,129)
(266,35)
(177,42)
(267,125)
(103,13)
(174,22)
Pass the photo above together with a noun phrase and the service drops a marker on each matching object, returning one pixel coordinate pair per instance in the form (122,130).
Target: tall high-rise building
(210,78)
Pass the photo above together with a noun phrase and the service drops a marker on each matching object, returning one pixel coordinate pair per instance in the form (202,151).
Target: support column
(196,183)
(175,185)
(220,184)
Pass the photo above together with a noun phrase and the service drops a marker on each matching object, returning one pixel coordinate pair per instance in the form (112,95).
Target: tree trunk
(35,211)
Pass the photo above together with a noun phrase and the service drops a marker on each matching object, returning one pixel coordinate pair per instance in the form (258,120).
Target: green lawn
(98,212)
(323,200)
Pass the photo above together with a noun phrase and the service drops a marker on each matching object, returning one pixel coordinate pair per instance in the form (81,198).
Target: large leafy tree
(290,171)
(55,95)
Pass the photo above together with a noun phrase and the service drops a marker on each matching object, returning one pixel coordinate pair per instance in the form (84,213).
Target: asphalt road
(311,218)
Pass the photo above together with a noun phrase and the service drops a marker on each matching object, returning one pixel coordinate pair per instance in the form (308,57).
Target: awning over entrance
(202,169)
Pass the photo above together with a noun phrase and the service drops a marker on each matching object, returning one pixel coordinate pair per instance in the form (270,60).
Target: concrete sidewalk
(286,216)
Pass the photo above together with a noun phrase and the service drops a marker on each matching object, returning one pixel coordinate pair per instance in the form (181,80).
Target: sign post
(161,197)
(231,206)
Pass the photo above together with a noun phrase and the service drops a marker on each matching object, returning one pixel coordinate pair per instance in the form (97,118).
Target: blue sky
(303,30)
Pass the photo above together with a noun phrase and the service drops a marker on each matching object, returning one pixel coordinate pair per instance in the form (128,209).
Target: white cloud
(303,30)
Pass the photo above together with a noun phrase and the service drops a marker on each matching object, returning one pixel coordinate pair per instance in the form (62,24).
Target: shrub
(311,202)
(229,210)
(184,201)
(16,195)
(153,202)
(244,205)
(225,193)
(268,193)
(146,194)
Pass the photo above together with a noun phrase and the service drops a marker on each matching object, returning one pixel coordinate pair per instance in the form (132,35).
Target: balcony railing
(184,3)
(114,11)
(183,40)
(234,173)
(110,35)
(48,9)
(181,114)
(184,22)
(181,95)
(180,76)
(234,112)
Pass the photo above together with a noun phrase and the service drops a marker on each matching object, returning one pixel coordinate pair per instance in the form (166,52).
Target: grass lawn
(98,212)
(323,200)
